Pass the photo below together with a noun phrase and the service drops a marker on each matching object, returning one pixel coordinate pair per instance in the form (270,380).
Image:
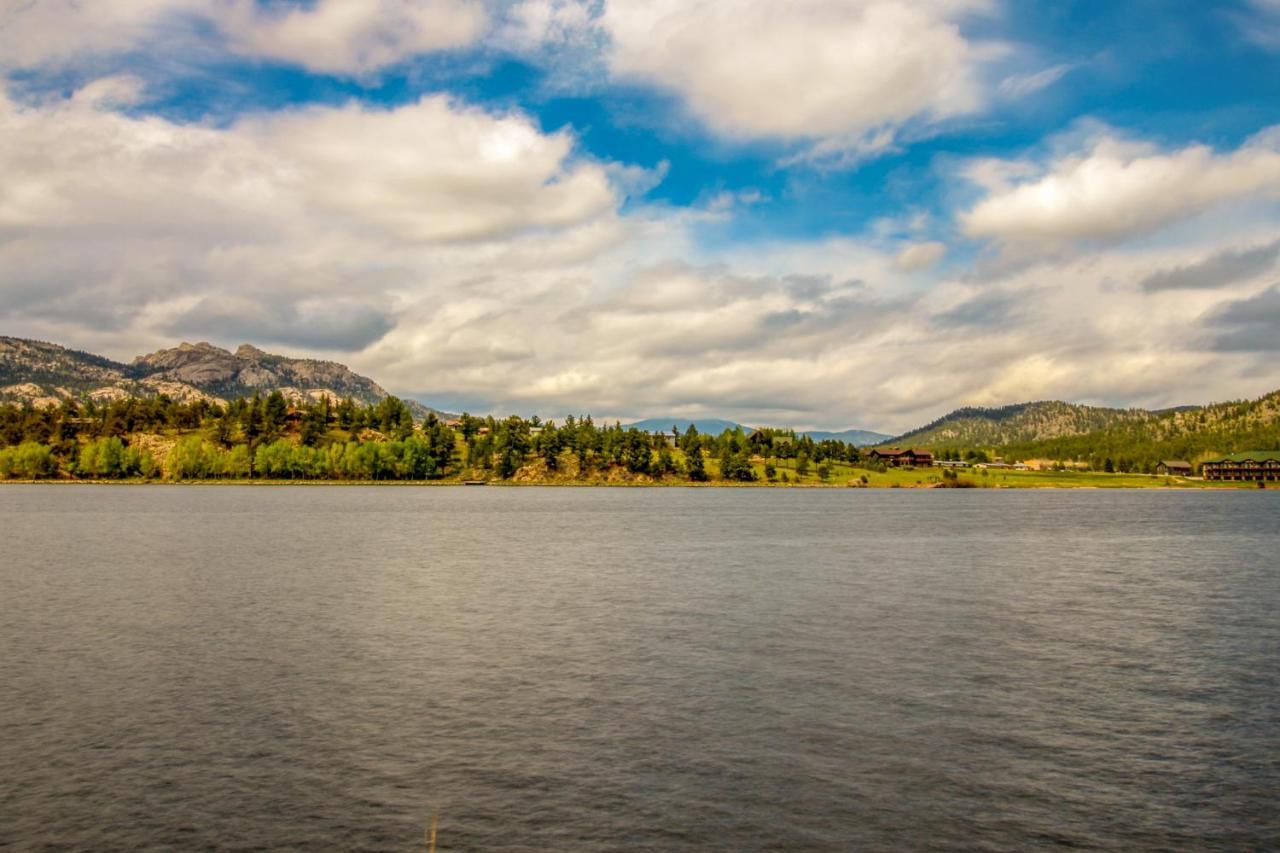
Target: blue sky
(826,213)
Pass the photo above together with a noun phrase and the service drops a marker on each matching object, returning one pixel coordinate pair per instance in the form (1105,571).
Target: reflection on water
(661,669)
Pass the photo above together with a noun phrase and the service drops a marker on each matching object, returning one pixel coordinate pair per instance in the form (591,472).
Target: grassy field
(845,475)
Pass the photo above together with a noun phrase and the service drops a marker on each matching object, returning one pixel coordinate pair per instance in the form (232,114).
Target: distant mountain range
(43,374)
(706,426)
(856,437)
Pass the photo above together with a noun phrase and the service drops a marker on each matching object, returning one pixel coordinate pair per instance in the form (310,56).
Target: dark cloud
(1248,325)
(1216,271)
(989,309)
(335,326)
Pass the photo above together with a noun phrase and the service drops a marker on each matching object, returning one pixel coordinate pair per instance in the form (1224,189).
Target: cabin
(1260,465)
(908,458)
(1174,468)
(666,438)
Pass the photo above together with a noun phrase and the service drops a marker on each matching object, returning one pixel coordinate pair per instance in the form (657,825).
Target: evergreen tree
(697,467)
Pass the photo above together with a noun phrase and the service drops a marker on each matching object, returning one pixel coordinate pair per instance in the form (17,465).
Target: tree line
(270,438)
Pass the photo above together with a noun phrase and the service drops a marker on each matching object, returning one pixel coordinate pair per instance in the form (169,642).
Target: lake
(323,668)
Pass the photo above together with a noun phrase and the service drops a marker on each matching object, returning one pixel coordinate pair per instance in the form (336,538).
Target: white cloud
(1028,83)
(920,256)
(809,69)
(430,171)
(1115,189)
(352,36)
(336,36)
(534,25)
(62,31)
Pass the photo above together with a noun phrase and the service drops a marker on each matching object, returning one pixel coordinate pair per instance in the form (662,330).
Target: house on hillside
(907,458)
(1174,468)
(1250,465)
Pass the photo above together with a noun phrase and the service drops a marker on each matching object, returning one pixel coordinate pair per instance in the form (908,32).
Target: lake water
(638,669)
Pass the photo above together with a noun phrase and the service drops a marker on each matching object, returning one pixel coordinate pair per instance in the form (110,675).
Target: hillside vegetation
(1124,439)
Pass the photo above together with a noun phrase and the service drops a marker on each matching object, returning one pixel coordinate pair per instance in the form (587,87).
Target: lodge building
(1250,465)
(908,458)
(1174,467)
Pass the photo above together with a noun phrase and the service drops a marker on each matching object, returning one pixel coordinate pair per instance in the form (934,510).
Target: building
(1250,465)
(895,458)
(1174,468)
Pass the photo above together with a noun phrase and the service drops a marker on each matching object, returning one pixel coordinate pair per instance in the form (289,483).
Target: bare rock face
(36,371)
(250,370)
(197,364)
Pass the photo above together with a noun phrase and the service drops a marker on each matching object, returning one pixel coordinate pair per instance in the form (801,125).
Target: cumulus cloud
(430,171)
(1115,189)
(809,69)
(276,211)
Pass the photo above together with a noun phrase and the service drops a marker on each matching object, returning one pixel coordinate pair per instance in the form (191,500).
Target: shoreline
(1249,486)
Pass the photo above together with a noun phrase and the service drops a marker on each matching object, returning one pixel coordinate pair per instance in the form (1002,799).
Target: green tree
(697,466)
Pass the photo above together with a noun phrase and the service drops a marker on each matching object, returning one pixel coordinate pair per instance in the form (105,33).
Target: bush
(110,457)
(28,461)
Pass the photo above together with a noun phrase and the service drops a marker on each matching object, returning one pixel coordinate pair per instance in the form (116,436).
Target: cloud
(1249,325)
(808,69)
(920,256)
(348,37)
(430,171)
(160,224)
(1260,24)
(1021,85)
(351,36)
(35,34)
(1224,268)
(332,323)
(1115,189)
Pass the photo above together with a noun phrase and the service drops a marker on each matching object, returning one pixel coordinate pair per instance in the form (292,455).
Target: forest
(268,438)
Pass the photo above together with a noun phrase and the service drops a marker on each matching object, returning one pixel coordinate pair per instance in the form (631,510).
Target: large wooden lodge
(908,458)
(1251,465)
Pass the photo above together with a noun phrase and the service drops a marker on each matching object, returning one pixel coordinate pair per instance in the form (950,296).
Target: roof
(1248,456)
(893,451)
(1175,463)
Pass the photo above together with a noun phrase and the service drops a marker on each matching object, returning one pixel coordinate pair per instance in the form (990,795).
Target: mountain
(856,437)
(44,373)
(706,426)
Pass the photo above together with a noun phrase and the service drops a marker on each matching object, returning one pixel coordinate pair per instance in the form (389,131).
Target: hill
(43,374)
(980,427)
(1133,439)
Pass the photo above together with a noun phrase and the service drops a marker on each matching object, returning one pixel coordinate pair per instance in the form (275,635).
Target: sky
(817,213)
